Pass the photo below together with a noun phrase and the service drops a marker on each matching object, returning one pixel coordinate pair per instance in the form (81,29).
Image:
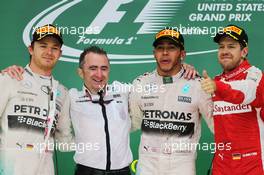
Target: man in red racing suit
(237,104)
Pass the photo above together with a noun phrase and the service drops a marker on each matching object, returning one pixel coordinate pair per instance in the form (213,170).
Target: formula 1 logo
(124,28)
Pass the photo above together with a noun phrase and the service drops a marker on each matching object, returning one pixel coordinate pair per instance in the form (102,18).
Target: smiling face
(168,58)
(230,54)
(44,55)
(95,71)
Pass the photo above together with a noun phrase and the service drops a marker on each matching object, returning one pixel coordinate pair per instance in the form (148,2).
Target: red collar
(241,68)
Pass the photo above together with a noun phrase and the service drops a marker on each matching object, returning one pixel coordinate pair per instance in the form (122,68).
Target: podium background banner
(126,29)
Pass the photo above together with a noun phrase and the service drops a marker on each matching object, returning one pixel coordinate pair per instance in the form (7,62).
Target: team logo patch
(186,89)
(26,84)
(58,93)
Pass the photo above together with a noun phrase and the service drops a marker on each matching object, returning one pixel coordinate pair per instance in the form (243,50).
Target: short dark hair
(93,49)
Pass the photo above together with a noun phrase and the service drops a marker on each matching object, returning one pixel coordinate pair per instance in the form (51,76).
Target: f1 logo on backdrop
(122,27)
(110,14)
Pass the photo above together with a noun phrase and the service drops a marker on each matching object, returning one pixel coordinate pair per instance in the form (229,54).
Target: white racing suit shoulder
(134,96)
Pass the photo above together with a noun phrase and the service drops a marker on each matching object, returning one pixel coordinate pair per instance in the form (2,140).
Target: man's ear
(30,49)
(154,53)
(80,72)
(244,52)
(60,53)
(183,54)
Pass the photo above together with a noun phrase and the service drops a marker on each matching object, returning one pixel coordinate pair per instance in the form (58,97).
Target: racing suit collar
(30,72)
(241,68)
(173,78)
(46,83)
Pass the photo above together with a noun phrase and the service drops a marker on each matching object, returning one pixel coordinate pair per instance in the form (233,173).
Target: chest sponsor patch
(168,127)
(172,115)
(28,123)
(222,108)
(116,95)
(27,93)
(149,97)
(185,99)
(148,104)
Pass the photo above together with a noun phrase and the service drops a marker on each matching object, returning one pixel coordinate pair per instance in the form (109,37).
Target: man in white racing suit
(34,111)
(168,110)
